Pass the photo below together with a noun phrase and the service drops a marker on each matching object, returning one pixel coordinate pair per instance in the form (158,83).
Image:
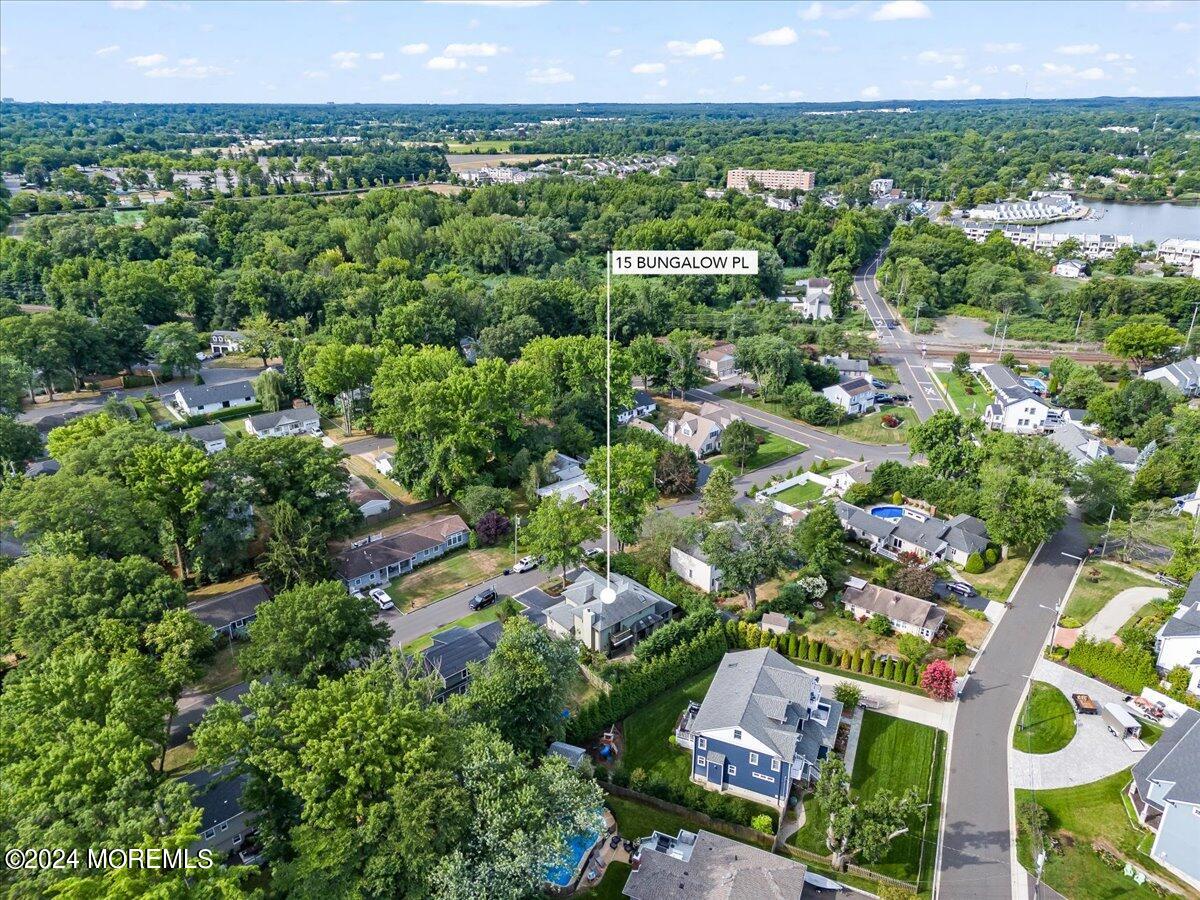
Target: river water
(1145,221)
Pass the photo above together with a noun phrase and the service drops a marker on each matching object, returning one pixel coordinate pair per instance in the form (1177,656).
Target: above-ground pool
(888,512)
(564,872)
(1035,384)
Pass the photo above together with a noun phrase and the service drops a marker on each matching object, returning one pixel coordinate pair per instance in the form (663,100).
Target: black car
(900,398)
(483,598)
(961,588)
(884,398)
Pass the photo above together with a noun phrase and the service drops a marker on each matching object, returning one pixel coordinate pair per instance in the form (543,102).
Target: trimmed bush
(974,564)
(991,556)
(1128,668)
(801,651)
(826,655)
(844,662)
(913,675)
(890,672)
(877,669)
(902,671)
(814,651)
(868,661)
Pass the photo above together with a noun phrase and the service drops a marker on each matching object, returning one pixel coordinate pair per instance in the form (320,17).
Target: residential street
(977,853)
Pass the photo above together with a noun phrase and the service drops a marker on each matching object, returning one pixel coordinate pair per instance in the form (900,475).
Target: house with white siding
(379,559)
(1016,409)
(304,420)
(908,614)
(206,399)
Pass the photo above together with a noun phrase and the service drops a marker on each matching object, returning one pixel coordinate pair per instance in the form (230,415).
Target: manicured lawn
(1079,816)
(1047,721)
(800,494)
(1090,596)
(870,428)
(971,405)
(998,581)
(468,621)
(448,575)
(180,760)
(648,731)
(638,820)
(612,885)
(831,464)
(884,373)
(893,755)
(771,450)
(369,474)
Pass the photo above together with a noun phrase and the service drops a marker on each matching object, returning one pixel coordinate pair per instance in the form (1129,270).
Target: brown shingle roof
(358,561)
(895,605)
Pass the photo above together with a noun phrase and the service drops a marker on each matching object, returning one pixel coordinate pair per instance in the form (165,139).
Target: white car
(526,564)
(381,598)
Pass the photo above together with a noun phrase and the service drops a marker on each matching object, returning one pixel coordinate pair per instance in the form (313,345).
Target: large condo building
(771,179)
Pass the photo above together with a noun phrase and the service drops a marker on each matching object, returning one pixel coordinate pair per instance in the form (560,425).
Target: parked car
(884,398)
(878,383)
(892,323)
(900,398)
(381,598)
(484,598)
(527,563)
(593,552)
(961,588)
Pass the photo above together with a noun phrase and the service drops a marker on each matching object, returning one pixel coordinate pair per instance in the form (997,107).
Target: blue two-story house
(763,725)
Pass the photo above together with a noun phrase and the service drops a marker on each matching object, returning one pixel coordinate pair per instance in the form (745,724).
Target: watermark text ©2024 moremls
(108,858)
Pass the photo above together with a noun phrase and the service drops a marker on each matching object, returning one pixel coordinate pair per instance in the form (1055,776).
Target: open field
(1047,720)
(446,576)
(473,162)
(800,494)
(970,405)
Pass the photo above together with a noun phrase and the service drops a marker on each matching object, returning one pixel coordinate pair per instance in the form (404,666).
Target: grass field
(870,428)
(884,372)
(638,820)
(1047,720)
(800,494)
(612,885)
(893,755)
(1089,597)
(998,581)
(480,147)
(1079,816)
(971,405)
(648,731)
(447,576)
(772,449)
(468,621)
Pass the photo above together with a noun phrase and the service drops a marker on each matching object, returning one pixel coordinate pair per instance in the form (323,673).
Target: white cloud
(1006,47)
(779,37)
(817,10)
(1015,69)
(189,61)
(1182,26)
(444,64)
(415,49)
(147,60)
(127,4)
(795,95)
(764,87)
(1115,57)
(662,82)
(316,74)
(990,70)
(703,47)
(870,92)
(614,52)
(953,58)
(187,68)
(1095,73)
(818,32)
(1078,49)
(390,76)
(739,79)
(954,83)
(376,55)
(482,70)
(109,50)
(551,75)
(812,12)
(902,9)
(457,50)
(648,68)
(345,59)
(1059,69)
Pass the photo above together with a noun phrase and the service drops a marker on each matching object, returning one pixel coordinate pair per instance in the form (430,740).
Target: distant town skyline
(514,51)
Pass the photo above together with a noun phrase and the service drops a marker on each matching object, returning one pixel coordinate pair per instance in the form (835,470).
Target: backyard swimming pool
(563,873)
(1035,384)
(888,512)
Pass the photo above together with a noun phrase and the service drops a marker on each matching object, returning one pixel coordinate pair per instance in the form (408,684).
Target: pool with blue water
(888,512)
(563,873)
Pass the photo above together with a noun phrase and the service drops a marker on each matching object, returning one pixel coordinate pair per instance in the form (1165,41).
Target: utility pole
(1107,528)
(1079,322)
(1188,342)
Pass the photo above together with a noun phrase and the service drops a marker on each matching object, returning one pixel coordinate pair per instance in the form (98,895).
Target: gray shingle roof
(218,796)
(203,433)
(584,594)
(201,394)
(454,648)
(1174,759)
(716,868)
(306,416)
(1185,623)
(750,690)
(220,611)
(895,605)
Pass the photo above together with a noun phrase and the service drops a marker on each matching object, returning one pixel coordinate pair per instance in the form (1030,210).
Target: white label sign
(685,262)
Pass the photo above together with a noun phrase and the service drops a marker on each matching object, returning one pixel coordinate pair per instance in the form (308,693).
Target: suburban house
(470,349)
(369,501)
(380,559)
(454,650)
(223,823)
(915,532)
(856,396)
(762,726)
(1177,642)
(908,615)
(1166,796)
(701,431)
(815,302)
(707,866)
(383,463)
(718,360)
(1184,376)
(41,467)
(608,626)
(1084,447)
(567,480)
(643,405)
(880,186)
(230,613)
(1016,408)
(205,399)
(848,368)
(211,437)
(691,563)
(775,623)
(285,423)
(222,342)
(1070,268)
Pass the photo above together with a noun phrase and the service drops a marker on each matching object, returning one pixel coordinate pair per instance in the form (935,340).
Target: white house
(700,432)
(847,367)
(285,423)
(912,531)
(1184,376)
(718,360)
(815,303)
(881,186)
(908,615)
(211,437)
(1016,409)
(692,564)
(608,625)
(1070,268)
(384,463)
(222,342)
(567,480)
(205,399)
(643,405)
(856,396)
(1177,642)
(379,559)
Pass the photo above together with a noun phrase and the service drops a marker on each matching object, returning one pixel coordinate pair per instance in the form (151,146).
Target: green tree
(647,359)
(312,630)
(1142,342)
(270,390)
(633,492)
(262,337)
(172,478)
(339,373)
(296,550)
(676,471)
(557,530)
(947,440)
(1020,511)
(739,442)
(820,540)
(1101,488)
(175,345)
(1080,386)
(747,553)
(914,647)
(716,499)
(859,826)
(19,443)
(961,365)
(683,367)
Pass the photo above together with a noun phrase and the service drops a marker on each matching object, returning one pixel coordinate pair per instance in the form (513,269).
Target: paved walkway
(1106,623)
(1093,753)
(901,704)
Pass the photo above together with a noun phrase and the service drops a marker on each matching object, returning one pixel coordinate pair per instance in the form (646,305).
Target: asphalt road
(976,852)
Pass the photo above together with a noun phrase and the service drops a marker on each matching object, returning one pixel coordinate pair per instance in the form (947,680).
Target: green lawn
(884,373)
(870,428)
(648,743)
(971,405)
(893,754)
(771,449)
(1090,595)
(1047,721)
(448,575)
(468,621)
(638,820)
(800,494)
(998,581)
(1079,816)
(612,885)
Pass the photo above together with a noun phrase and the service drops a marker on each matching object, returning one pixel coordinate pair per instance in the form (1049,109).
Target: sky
(515,51)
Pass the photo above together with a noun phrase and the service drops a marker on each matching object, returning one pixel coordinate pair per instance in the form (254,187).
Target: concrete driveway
(1106,623)
(892,702)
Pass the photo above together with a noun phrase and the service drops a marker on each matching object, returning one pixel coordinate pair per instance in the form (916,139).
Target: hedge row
(678,632)
(747,636)
(1129,668)
(643,681)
